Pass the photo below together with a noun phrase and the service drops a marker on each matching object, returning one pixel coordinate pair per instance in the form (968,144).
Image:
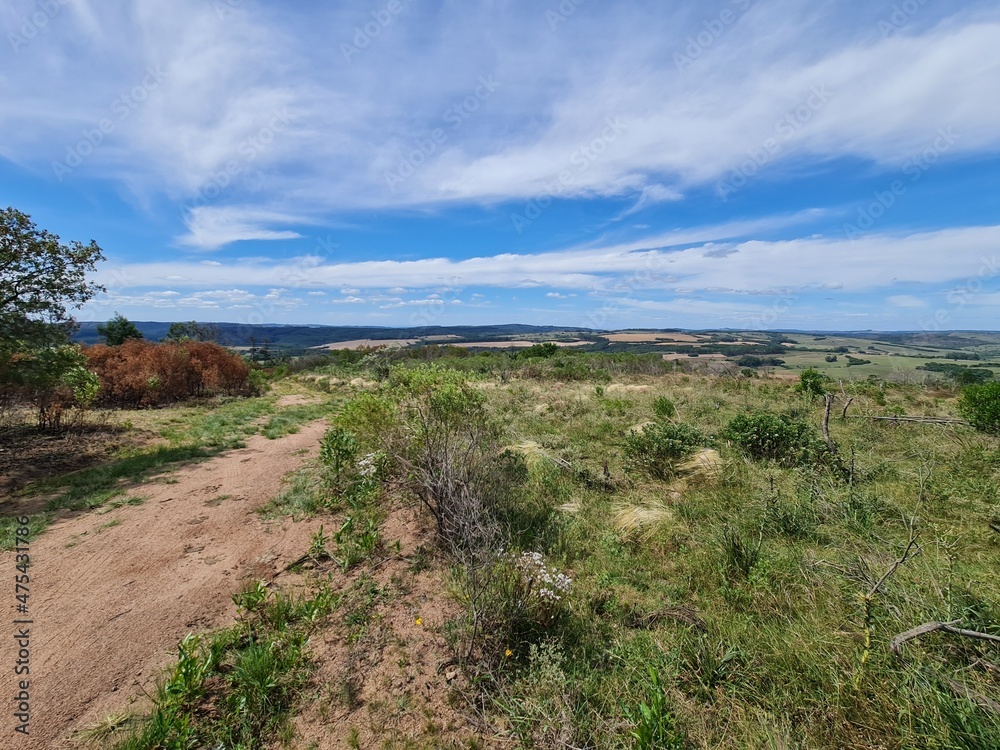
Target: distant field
(363,343)
(518,344)
(676,357)
(652,338)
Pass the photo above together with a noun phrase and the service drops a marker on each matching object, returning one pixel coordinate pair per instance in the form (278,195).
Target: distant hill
(291,338)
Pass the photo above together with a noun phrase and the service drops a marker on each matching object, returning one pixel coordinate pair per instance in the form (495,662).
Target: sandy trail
(110,603)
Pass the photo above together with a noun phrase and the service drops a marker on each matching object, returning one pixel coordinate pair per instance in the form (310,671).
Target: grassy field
(653,577)
(749,603)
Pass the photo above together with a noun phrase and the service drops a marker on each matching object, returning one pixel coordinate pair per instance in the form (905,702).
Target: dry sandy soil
(393,683)
(112,593)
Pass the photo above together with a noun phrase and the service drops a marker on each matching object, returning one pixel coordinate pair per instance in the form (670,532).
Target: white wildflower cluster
(551,584)
(368,465)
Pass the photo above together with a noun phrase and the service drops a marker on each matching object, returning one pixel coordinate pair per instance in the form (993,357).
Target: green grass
(774,560)
(745,597)
(291,418)
(234,688)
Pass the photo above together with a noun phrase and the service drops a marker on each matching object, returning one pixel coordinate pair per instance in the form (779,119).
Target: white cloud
(752,266)
(905,300)
(210,228)
(261,124)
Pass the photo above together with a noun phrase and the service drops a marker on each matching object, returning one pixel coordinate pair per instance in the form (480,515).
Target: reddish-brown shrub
(140,373)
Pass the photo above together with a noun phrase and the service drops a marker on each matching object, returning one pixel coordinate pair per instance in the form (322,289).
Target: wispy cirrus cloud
(352,122)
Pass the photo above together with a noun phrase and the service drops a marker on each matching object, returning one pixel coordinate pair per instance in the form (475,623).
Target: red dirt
(393,684)
(109,604)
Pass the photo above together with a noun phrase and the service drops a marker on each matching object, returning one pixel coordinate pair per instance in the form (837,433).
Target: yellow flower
(420,621)
(508,653)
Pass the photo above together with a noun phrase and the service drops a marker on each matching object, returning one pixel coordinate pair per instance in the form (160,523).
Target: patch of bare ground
(385,674)
(113,593)
(296,399)
(28,454)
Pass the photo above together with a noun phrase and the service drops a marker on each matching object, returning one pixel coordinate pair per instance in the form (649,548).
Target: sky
(761,164)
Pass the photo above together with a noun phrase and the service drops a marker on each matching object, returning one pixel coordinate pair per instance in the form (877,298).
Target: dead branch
(911,418)
(831,446)
(843,413)
(895,566)
(896,644)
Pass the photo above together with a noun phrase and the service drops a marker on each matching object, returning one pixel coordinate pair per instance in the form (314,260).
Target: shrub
(139,373)
(656,449)
(664,408)
(441,443)
(812,382)
(51,379)
(772,437)
(980,404)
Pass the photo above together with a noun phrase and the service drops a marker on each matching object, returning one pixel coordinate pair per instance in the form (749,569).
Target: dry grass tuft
(702,469)
(640,521)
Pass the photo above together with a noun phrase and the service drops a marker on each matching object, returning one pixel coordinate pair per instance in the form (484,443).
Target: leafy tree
(118,330)
(980,404)
(191,331)
(39,278)
(812,382)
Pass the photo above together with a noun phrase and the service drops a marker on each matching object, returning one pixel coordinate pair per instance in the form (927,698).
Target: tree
(191,331)
(812,382)
(118,330)
(980,404)
(39,279)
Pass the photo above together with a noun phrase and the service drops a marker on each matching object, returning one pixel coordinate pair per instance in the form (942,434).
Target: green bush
(812,382)
(774,437)
(980,404)
(664,408)
(656,449)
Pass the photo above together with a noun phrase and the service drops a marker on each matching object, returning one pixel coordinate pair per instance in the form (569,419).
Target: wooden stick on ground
(896,644)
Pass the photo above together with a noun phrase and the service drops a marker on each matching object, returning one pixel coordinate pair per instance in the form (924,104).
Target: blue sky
(737,163)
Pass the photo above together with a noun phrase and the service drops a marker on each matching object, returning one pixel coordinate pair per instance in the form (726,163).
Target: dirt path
(113,593)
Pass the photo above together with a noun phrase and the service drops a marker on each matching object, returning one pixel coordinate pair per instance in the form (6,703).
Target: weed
(235,688)
(655,724)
